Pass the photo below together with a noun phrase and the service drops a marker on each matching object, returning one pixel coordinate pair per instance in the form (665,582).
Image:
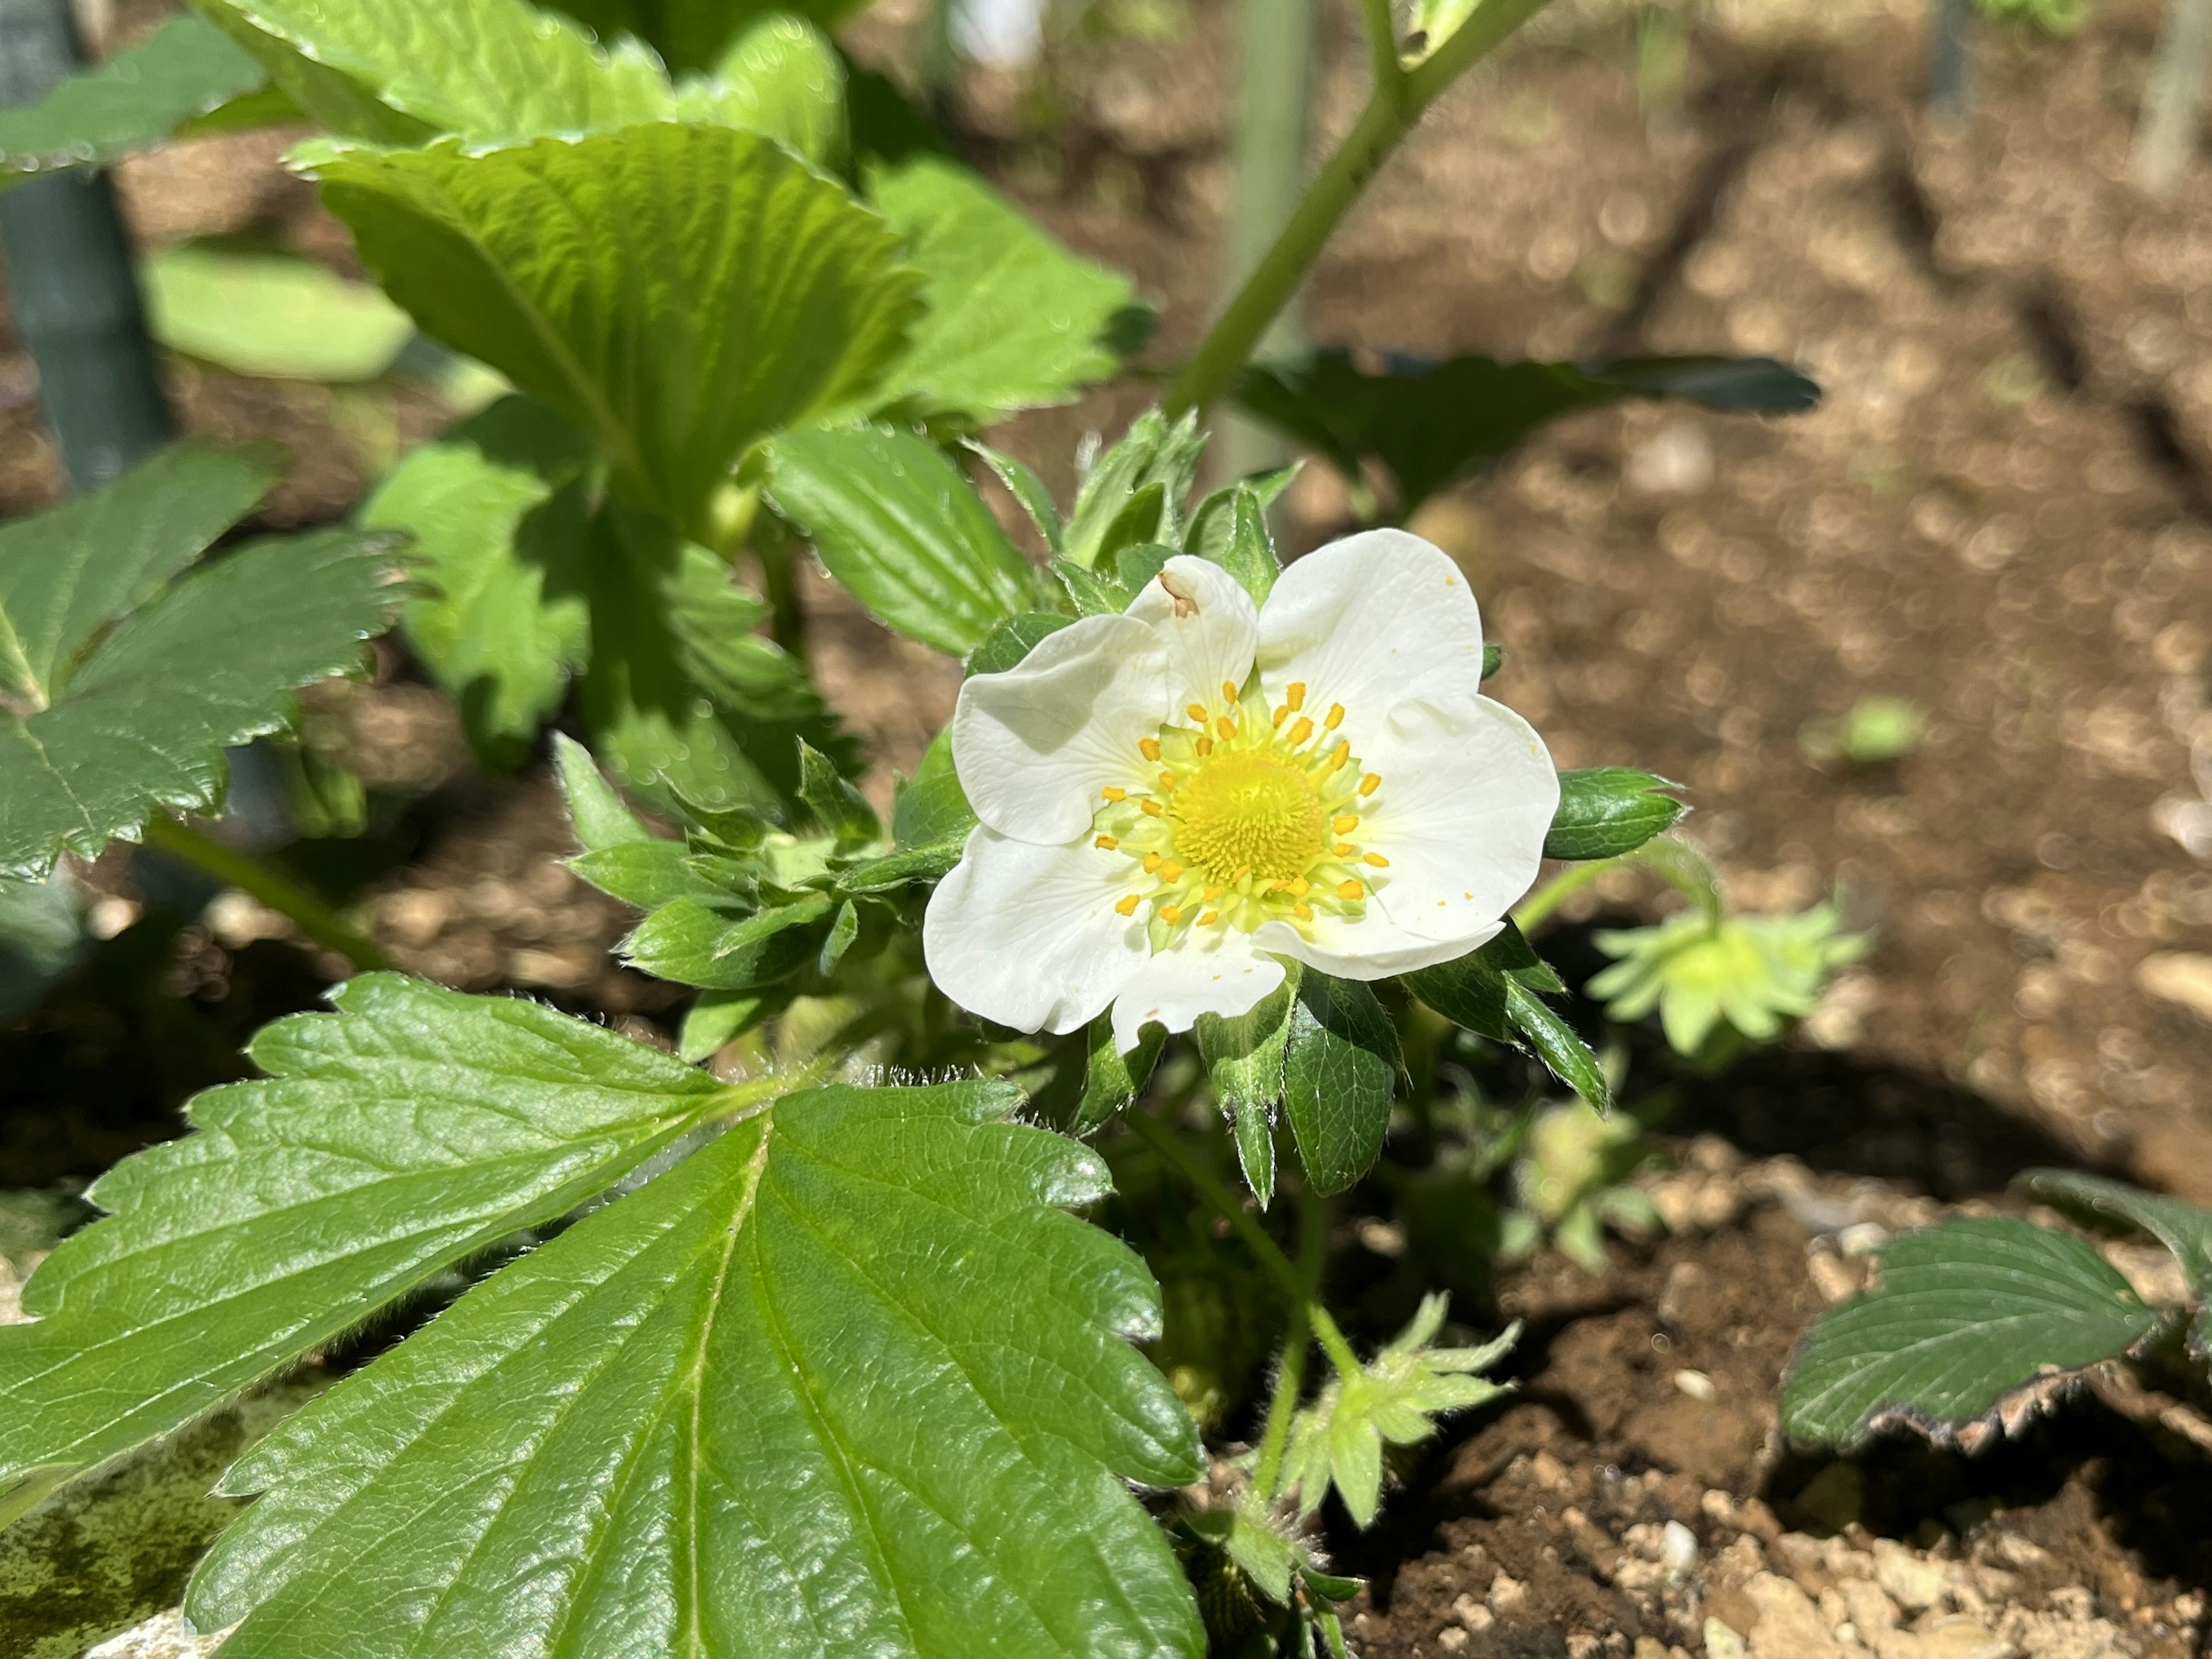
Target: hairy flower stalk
(1176,800)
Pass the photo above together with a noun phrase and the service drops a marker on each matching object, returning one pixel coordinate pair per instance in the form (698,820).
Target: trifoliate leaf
(141,722)
(1429,423)
(495,510)
(1753,972)
(707,289)
(1152,452)
(2184,1229)
(1606,810)
(410,1129)
(696,35)
(1395,1399)
(847,1380)
(1340,1068)
(1015,320)
(275,316)
(1971,1327)
(137,98)
(906,535)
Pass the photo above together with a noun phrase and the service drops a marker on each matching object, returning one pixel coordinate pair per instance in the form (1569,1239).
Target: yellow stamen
(1371,783)
(1302,911)
(1196,711)
(1296,696)
(1336,716)
(1350,889)
(1152,861)
(1376,860)
(1282,713)
(1211,894)
(1152,808)
(1106,841)
(1345,849)
(1345,823)
(1206,745)
(1171,871)
(1128,907)
(1226,727)
(1242,871)
(1167,780)
(1300,888)
(1209,918)
(1151,746)
(1228,693)
(1341,754)
(1302,731)
(1171,914)
(1113,792)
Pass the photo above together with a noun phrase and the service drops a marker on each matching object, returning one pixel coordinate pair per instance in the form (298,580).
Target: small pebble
(1862,1238)
(1678,1551)
(1696,1384)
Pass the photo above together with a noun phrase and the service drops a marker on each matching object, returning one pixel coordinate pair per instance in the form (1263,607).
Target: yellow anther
(1167,780)
(1345,849)
(1171,914)
(1152,808)
(1340,755)
(1150,748)
(1209,918)
(1302,731)
(1106,841)
(1211,894)
(1228,692)
(1152,861)
(1171,871)
(1282,713)
(1114,792)
(1336,716)
(1376,860)
(1302,911)
(1196,711)
(1128,907)
(1206,745)
(1296,696)
(1345,823)
(1371,783)
(1226,727)
(1351,890)
(1300,888)
(1242,871)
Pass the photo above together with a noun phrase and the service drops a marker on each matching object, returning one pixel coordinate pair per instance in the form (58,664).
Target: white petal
(1220,975)
(1367,620)
(1034,745)
(1369,949)
(1027,935)
(1208,622)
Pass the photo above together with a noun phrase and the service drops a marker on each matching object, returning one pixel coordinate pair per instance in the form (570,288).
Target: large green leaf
(2184,1229)
(210,661)
(138,97)
(848,1381)
(1431,423)
(1015,320)
(697,34)
(1965,1314)
(275,315)
(1340,1067)
(495,510)
(410,1129)
(899,526)
(679,291)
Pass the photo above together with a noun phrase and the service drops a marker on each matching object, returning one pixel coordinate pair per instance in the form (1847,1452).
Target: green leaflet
(93,740)
(1340,1067)
(1151,453)
(137,98)
(695,34)
(495,510)
(780,77)
(1965,1314)
(847,1380)
(1606,810)
(930,808)
(897,525)
(276,315)
(678,291)
(2184,1229)
(409,1129)
(1015,320)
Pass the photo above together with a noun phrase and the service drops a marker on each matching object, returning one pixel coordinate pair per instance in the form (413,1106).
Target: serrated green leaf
(1210,526)
(1026,488)
(1113,1080)
(931,808)
(210,662)
(838,807)
(694,941)
(495,510)
(273,315)
(1012,640)
(1606,810)
(186,68)
(408,1130)
(780,77)
(880,875)
(399,71)
(1429,423)
(707,288)
(1964,1315)
(847,1380)
(1015,320)
(65,574)
(2184,1229)
(1152,452)
(1339,1068)
(1094,592)
(1564,1054)
(696,35)
(903,531)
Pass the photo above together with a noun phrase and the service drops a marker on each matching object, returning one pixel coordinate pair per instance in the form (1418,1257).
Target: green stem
(249,875)
(1538,905)
(1277,1266)
(778,551)
(1381,42)
(1290,1375)
(1394,108)
(1676,862)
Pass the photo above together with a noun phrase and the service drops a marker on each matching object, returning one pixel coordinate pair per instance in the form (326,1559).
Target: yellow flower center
(1247,817)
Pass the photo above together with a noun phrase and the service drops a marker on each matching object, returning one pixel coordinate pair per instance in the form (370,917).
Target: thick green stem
(1290,1375)
(280,893)
(1269,1254)
(1394,108)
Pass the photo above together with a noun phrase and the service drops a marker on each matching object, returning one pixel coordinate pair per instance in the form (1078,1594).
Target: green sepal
(912,864)
(1013,639)
(931,808)
(1494,659)
(1094,594)
(1253,1126)
(1137,564)
(717,1019)
(837,807)
(1554,1040)
(1151,452)
(1112,1080)
(1606,810)
(1025,487)
(1250,555)
(1142,518)
(1340,1069)
(1244,1053)
(596,811)
(1214,521)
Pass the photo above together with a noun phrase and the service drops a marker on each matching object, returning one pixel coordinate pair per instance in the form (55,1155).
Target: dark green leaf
(897,869)
(837,807)
(496,511)
(2184,1229)
(930,808)
(709,288)
(1494,659)
(184,69)
(1142,521)
(1509,952)
(846,1380)
(1606,810)
(389,1140)
(1014,639)
(1152,452)
(1025,487)
(1431,423)
(1139,563)
(1244,1053)
(1015,320)
(693,941)
(1467,992)
(906,534)
(1113,1080)
(1339,1070)
(1969,1324)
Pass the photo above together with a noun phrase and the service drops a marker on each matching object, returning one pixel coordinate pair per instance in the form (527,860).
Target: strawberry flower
(1174,800)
